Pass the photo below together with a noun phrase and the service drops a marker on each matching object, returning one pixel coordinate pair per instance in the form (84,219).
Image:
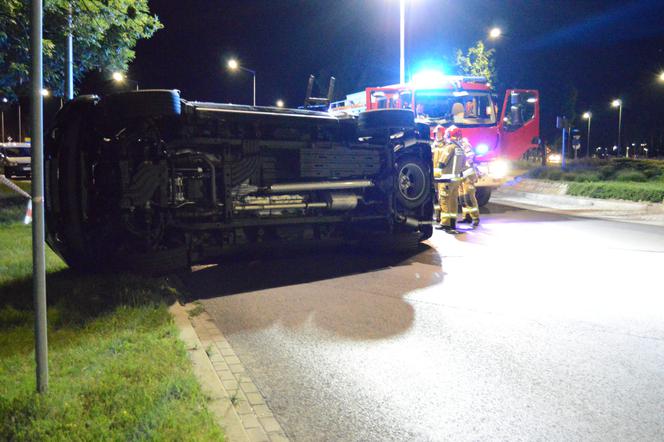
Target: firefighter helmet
(453,133)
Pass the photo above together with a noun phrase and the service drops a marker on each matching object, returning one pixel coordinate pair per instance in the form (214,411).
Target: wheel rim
(411,181)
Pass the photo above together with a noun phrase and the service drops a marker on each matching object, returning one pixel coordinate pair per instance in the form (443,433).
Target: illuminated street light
(495,33)
(45,92)
(661,76)
(588,116)
(118,77)
(280,103)
(618,103)
(233,65)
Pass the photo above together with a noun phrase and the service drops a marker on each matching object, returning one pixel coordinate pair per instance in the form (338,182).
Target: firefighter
(448,161)
(470,209)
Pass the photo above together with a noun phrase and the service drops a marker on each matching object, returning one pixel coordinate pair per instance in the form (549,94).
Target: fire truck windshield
(462,108)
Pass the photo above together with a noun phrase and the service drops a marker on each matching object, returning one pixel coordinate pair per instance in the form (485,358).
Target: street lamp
(495,33)
(120,78)
(661,76)
(588,116)
(45,92)
(618,103)
(280,103)
(233,65)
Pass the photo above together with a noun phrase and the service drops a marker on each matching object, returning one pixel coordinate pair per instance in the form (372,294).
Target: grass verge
(632,191)
(619,178)
(117,368)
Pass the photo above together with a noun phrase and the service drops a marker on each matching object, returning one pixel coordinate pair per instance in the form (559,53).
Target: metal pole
(69,80)
(588,140)
(254,88)
(564,142)
(3,126)
(402,41)
(620,128)
(19,124)
(38,257)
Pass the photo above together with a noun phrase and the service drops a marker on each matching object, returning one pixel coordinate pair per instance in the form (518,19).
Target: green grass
(620,178)
(651,192)
(117,369)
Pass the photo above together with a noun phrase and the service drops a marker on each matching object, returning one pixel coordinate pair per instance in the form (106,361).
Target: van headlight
(499,169)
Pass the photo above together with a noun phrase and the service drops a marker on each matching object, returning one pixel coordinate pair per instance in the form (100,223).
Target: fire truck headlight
(499,169)
(481,148)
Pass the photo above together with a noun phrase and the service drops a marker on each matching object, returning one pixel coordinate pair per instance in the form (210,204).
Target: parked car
(15,160)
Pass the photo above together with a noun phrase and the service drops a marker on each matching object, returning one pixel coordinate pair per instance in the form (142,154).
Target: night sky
(604,49)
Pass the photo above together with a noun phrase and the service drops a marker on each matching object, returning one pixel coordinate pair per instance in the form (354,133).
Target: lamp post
(588,116)
(2,117)
(402,41)
(618,103)
(233,65)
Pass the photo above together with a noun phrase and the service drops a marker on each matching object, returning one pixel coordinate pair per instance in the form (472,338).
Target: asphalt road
(535,326)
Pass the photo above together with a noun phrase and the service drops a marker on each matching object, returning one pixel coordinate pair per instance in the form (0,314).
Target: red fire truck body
(498,136)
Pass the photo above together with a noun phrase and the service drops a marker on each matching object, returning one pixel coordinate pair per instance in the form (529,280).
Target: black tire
(398,242)
(426,232)
(483,194)
(380,120)
(413,181)
(142,104)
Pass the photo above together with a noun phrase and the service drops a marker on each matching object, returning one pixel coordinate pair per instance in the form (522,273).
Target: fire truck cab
(498,134)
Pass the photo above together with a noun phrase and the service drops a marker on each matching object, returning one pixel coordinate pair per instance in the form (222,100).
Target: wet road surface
(534,326)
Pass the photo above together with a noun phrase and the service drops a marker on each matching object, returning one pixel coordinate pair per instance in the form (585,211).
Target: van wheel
(483,194)
(413,182)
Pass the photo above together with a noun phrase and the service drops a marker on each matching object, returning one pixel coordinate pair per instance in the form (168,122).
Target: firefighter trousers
(470,207)
(448,201)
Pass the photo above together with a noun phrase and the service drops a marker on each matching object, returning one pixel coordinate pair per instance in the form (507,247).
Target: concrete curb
(542,194)
(219,402)
(236,401)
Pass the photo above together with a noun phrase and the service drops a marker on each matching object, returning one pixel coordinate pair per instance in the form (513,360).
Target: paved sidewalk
(234,398)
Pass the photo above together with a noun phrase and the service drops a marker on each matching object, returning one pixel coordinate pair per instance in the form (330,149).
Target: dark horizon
(604,50)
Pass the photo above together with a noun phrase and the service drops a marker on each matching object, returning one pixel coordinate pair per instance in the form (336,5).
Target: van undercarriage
(147,181)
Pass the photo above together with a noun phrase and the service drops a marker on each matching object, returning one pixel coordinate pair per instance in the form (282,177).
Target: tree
(477,61)
(104,33)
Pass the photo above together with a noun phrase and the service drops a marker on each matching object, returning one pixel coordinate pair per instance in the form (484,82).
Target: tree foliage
(477,61)
(104,34)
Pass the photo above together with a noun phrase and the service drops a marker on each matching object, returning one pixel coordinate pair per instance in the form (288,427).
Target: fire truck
(499,134)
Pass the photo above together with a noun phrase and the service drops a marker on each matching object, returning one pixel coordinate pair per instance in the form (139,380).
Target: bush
(651,192)
(631,175)
(553,174)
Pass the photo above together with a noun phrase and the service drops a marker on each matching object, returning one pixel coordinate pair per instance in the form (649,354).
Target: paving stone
(237,368)
(278,437)
(242,406)
(249,420)
(230,385)
(232,360)
(220,366)
(255,399)
(248,387)
(262,411)
(227,351)
(225,375)
(257,435)
(270,424)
